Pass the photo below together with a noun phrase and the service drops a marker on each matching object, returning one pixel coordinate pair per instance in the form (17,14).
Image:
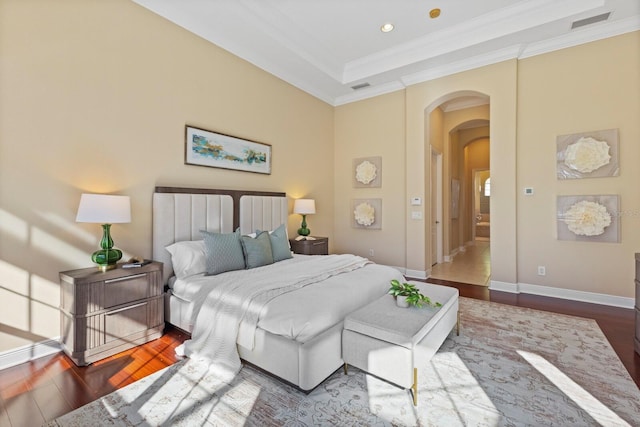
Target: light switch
(416,215)
(416,201)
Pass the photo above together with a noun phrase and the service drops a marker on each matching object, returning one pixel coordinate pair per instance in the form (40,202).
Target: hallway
(472,266)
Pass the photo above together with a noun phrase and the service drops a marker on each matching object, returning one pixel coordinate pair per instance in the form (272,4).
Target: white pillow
(188,258)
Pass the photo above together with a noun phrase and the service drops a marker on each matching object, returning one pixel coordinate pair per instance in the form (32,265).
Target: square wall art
(366,213)
(367,172)
(589,218)
(587,155)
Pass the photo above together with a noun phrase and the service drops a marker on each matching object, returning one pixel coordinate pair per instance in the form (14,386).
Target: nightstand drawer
(319,246)
(125,289)
(125,321)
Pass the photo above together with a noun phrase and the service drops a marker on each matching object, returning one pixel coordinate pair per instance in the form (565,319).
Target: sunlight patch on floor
(596,409)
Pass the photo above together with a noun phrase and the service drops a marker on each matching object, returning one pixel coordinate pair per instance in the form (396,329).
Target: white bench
(391,342)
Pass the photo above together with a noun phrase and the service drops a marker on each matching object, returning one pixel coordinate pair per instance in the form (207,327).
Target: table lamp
(106,210)
(304,207)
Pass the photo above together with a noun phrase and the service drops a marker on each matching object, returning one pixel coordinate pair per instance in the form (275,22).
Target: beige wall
(585,88)
(373,127)
(94,97)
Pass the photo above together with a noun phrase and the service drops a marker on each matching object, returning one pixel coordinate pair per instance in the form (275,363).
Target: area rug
(510,366)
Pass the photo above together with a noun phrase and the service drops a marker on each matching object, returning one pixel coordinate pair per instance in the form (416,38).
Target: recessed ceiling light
(434,13)
(386,28)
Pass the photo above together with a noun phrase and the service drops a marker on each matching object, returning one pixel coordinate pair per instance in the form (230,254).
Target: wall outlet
(542,270)
(371,252)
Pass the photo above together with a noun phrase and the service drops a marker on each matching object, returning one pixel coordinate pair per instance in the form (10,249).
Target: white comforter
(297,298)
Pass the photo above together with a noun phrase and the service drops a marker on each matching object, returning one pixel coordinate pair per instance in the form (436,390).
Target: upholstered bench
(391,342)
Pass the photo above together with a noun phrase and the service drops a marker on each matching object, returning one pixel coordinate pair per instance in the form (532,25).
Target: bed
(301,351)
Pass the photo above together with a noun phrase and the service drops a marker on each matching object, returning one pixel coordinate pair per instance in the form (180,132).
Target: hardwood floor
(41,390)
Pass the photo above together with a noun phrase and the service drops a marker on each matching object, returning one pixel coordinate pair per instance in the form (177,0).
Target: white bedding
(321,299)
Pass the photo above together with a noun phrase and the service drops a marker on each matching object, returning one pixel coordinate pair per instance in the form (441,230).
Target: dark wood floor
(43,389)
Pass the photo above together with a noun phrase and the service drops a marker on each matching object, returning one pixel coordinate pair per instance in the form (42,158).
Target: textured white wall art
(367,213)
(587,155)
(589,218)
(367,172)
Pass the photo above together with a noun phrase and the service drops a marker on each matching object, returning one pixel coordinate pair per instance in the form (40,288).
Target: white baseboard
(494,285)
(416,274)
(29,352)
(568,294)
(574,295)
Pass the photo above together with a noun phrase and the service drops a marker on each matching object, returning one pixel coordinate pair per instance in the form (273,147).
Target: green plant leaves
(414,297)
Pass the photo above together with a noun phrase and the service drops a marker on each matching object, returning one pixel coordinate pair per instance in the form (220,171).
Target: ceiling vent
(360,86)
(589,21)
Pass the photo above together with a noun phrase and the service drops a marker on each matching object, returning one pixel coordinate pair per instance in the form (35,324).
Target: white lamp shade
(304,206)
(104,209)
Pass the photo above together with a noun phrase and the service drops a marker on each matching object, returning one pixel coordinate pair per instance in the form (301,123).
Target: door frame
(436,199)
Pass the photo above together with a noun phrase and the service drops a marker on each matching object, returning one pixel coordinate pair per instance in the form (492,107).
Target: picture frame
(588,218)
(588,155)
(367,172)
(366,214)
(455,198)
(217,150)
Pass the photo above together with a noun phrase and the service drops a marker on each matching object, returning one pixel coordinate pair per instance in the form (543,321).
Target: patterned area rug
(510,366)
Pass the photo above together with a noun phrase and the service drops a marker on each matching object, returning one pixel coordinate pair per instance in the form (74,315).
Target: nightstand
(104,313)
(319,246)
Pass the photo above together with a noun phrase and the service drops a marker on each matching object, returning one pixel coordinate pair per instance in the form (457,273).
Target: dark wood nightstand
(319,246)
(104,313)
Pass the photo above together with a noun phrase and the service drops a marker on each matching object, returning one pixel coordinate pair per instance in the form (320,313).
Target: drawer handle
(121,279)
(126,308)
(317,243)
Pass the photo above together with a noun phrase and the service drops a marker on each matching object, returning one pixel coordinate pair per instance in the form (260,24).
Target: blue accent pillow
(257,251)
(280,244)
(224,252)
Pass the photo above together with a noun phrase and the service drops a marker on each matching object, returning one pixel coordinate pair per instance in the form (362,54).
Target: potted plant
(407,294)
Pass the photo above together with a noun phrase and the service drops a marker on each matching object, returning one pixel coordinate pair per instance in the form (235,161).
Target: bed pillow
(280,244)
(257,251)
(224,252)
(188,258)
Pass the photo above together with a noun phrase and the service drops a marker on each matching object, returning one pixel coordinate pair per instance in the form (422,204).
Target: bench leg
(458,324)
(345,369)
(414,387)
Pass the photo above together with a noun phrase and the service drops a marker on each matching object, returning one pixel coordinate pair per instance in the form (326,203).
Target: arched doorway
(457,125)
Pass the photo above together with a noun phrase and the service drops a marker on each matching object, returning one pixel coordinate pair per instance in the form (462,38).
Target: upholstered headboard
(180,213)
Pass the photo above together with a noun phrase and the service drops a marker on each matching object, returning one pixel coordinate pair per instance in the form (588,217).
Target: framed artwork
(366,213)
(455,197)
(589,218)
(587,155)
(216,150)
(367,172)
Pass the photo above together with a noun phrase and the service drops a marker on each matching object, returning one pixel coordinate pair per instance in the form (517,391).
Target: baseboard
(494,285)
(416,274)
(29,352)
(568,294)
(571,294)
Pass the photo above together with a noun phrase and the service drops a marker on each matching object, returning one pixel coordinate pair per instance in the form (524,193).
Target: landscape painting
(207,148)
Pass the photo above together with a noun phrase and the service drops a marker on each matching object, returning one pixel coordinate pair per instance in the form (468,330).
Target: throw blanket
(231,309)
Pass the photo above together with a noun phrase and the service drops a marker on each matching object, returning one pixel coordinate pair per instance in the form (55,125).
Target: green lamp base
(107,257)
(303,230)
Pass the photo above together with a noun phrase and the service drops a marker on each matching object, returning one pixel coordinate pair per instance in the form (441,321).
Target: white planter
(401,301)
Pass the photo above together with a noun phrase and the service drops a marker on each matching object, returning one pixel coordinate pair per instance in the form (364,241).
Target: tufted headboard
(180,213)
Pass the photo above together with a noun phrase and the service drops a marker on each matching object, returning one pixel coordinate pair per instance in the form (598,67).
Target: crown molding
(583,35)
(521,16)
(369,92)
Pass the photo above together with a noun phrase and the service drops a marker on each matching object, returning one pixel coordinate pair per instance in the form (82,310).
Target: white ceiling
(325,47)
